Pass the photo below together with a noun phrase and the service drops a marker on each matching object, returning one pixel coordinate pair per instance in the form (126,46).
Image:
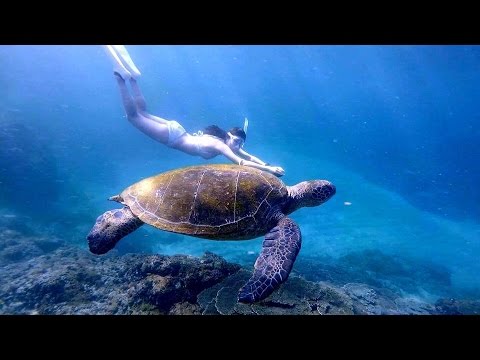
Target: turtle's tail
(116,198)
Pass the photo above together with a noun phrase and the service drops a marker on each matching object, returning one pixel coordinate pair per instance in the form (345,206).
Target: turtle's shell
(227,202)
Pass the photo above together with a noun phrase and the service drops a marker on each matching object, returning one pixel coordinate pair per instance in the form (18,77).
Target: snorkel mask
(237,136)
(236,140)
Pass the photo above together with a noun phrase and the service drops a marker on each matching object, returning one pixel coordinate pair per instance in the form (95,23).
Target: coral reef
(295,297)
(70,280)
(376,269)
(457,307)
(39,275)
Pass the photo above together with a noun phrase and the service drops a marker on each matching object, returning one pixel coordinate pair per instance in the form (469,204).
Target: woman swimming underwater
(210,142)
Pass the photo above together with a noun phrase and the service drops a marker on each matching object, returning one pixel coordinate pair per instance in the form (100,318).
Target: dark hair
(214,130)
(238,132)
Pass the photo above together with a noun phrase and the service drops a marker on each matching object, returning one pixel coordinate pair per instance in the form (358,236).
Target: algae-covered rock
(72,281)
(295,297)
(457,307)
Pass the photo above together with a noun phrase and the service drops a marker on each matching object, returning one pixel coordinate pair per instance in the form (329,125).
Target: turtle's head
(109,228)
(309,193)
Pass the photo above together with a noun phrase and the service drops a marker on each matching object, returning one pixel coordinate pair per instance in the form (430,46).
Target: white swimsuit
(175,131)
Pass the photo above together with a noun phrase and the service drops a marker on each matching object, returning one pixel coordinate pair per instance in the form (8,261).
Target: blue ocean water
(395,128)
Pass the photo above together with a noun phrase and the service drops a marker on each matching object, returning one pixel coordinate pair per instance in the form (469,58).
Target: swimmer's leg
(141,103)
(118,66)
(157,130)
(127,99)
(126,59)
(138,96)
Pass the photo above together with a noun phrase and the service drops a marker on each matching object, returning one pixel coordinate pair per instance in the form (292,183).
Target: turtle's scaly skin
(221,202)
(124,222)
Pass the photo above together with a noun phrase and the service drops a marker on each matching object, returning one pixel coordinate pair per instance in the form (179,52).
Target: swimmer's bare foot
(118,75)
(127,61)
(118,67)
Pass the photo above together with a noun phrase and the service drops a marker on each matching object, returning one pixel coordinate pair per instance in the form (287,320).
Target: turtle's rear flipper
(280,248)
(110,227)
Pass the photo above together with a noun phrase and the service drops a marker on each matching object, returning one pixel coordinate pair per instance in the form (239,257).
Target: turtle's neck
(295,196)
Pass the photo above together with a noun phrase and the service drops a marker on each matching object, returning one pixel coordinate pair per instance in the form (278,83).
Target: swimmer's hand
(276,170)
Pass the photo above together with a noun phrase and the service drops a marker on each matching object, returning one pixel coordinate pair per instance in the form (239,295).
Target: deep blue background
(396,128)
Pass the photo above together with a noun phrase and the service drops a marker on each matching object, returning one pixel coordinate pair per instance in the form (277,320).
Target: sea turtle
(218,202)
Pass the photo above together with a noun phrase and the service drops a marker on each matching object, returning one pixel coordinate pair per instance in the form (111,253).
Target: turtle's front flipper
(110,227)
(280,248)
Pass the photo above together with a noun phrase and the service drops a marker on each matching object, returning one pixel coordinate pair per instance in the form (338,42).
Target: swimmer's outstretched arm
(229,154)
(245,154)
(250,157)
